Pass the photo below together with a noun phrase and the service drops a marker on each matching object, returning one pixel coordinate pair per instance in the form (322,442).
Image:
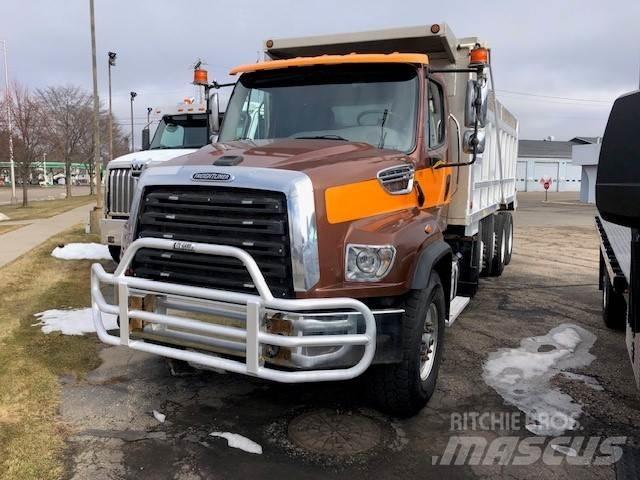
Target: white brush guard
(254,335)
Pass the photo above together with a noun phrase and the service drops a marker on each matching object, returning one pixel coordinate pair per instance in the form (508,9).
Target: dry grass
(45,208)
(9,228)
(31,437)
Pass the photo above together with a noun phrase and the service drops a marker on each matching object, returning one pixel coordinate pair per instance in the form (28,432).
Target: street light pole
(112,63)
(9,124)
(133,95)
(96,215)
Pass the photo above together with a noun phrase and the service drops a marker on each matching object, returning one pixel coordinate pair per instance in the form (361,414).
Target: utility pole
(44,168)
(112,63)
(9,124)
(94,221)
(133,95)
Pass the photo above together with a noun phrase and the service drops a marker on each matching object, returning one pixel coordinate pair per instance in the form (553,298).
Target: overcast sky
(558,64)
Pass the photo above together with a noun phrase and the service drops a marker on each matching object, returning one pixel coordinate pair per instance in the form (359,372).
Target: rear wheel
(115,250)
(500,248)
(488,243)
(402,389)
(614,306)
(508,228)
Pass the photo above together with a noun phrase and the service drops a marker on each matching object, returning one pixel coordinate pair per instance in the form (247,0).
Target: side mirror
(472,138)
(476,103)
(618,179)
(214,113)
(146,143)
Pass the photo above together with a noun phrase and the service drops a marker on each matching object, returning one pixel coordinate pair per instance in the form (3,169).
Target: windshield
(372,103)
(181,131)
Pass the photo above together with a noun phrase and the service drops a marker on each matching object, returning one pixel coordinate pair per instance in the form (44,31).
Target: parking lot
(330,430)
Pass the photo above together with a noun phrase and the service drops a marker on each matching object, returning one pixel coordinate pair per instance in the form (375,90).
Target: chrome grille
(120,190)
(253,220)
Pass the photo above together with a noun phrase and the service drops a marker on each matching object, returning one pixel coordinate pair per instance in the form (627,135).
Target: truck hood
(146,156)
(326,162)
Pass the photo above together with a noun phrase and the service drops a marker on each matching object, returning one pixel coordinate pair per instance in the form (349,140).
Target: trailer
(618,224)
(360,187)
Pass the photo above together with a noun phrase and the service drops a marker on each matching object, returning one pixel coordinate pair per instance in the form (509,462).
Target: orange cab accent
(415,58)
(354,201)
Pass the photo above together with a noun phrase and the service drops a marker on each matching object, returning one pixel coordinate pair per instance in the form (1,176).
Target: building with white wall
(539,159)
(586,157)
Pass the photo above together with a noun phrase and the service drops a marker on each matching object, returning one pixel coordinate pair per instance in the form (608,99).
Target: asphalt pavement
(320,431)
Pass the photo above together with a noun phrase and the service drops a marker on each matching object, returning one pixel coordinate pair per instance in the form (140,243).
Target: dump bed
(480,189)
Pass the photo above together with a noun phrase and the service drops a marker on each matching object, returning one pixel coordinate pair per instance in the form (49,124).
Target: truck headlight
(368,263)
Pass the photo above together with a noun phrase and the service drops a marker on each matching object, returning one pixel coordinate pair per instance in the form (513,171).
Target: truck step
(457,306)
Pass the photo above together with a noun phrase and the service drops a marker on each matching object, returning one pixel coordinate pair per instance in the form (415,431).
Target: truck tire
(500,248)
(114,251)
(508,228)
(402,389)
(488,244)
(614,306)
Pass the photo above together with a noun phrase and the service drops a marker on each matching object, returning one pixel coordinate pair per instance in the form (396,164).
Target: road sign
(546,184)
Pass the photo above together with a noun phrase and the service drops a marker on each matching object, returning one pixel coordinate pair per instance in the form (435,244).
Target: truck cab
(339,224)
(181,129)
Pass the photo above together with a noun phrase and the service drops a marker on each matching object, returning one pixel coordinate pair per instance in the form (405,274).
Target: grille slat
(121,186)
(253,220)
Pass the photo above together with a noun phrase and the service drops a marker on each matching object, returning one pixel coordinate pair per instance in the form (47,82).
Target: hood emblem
(212,177)
(137,166)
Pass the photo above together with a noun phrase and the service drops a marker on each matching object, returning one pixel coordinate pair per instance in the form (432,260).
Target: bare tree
(85,151)
(29,133)
(66,123)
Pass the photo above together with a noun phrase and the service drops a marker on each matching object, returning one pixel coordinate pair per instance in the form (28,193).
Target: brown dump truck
(360,186)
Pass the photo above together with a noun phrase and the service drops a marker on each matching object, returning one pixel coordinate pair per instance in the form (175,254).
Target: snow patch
(72,322)
(161,417)
(3,217)
(238,441)
(522,376)
(82,251)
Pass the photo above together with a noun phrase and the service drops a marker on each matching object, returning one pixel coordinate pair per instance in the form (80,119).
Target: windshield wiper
(383,134)
(323,137)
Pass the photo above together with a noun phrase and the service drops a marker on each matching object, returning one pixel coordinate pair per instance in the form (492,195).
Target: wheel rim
(429,341)
(605,294)
(502,248)
(510,239)
(482,247)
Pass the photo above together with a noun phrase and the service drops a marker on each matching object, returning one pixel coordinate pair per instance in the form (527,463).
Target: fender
(427,258)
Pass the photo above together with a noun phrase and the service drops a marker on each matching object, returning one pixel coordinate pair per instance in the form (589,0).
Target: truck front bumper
(111,230)
(291,341)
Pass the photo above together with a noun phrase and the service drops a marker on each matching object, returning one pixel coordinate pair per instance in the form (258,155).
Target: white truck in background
(181,129)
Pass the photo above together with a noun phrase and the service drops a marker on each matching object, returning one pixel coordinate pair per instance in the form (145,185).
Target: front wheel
(403,389)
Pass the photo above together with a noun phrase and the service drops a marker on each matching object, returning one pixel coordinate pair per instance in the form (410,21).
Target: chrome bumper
(252,342)
(111,230)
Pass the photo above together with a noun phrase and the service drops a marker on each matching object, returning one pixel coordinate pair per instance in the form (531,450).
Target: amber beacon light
(479,56)
(200,77)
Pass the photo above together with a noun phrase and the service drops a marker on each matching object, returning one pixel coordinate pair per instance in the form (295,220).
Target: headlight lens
(368,263)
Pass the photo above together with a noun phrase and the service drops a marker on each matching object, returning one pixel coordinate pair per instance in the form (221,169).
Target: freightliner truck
(618,223)
(360,186)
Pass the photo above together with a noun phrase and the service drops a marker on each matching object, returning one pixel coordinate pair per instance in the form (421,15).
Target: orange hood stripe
(354,201)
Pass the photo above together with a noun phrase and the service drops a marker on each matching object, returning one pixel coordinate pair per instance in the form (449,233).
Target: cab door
(434,182)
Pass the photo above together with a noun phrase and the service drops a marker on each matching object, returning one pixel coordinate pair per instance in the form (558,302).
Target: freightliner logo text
(212,177)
